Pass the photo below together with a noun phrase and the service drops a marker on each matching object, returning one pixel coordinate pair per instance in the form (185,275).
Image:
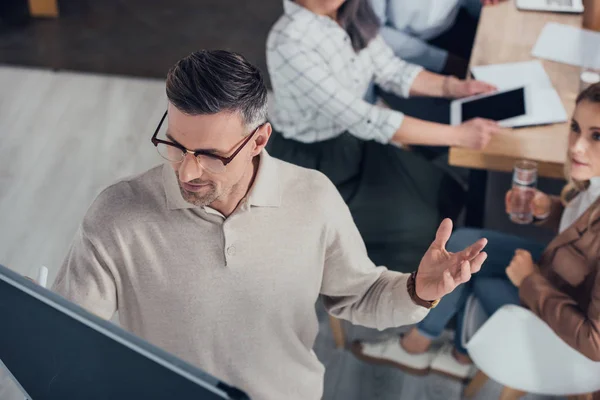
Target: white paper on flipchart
(545,104)
(568,44)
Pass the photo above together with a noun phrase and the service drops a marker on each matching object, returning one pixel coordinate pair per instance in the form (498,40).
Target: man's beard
(208,195)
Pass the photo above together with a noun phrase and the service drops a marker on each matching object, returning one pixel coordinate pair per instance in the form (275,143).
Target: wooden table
(506,34)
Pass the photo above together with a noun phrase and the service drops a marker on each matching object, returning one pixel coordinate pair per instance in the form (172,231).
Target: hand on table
(440,271)
(521,267)
(540,204)
(457,88)
(476,133)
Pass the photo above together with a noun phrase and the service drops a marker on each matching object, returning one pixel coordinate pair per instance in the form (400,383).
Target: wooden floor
(65,136)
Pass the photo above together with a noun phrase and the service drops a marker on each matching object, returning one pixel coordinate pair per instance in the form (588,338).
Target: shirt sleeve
(391,73)
(353,287)
(310,83)
(578,328)
(414,49)
(85,278)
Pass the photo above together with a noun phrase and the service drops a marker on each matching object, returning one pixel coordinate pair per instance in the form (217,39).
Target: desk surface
(506,34)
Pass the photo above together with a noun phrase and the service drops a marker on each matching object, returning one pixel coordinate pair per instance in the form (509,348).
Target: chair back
(517,349)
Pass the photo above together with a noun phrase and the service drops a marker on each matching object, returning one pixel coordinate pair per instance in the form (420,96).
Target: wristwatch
(412,291)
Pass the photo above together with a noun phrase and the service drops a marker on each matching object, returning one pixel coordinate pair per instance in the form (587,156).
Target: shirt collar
(265,191)
(290,8)
(594,189)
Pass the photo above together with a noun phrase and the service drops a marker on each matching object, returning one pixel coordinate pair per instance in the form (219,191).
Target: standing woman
(322,56)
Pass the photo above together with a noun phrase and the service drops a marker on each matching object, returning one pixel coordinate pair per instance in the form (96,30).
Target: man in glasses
(220,254)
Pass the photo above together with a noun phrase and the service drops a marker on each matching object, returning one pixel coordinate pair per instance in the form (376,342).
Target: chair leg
(511,394)
(475,385)
(338,332)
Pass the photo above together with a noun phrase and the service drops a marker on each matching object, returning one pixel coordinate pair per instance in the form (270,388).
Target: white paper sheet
(568,44)
(545,106)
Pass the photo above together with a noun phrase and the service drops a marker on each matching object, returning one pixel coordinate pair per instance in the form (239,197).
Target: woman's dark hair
(211,81)
(359,20)
(591,94)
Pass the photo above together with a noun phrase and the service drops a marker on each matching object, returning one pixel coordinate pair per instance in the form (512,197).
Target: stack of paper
(544,106)
(568,44)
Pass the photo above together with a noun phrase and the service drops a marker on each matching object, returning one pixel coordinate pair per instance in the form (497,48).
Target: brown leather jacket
(566,292)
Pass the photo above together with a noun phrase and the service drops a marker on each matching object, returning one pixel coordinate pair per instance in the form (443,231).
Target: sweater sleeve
(353,287)
(578,328)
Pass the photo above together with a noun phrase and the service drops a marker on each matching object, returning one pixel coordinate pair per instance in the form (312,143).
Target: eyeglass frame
(196,153)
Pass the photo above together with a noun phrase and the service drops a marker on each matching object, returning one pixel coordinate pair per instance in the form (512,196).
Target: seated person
(437,34)
(560,284)
(322,57)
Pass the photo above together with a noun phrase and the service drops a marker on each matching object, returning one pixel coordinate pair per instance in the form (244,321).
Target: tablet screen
(499,106)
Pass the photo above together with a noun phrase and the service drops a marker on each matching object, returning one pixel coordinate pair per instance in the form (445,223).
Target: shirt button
(231,251)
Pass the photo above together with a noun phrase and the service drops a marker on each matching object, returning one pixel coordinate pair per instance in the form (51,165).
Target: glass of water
(523,190)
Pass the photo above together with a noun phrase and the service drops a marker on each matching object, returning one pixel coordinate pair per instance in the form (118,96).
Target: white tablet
(499,106)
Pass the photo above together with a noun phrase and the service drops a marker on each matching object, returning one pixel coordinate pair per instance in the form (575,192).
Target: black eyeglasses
(175,153)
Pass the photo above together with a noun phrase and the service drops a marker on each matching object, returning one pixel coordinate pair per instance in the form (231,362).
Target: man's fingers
(473,250)
(443,233)
(449,284)
(464,273)
(477,262)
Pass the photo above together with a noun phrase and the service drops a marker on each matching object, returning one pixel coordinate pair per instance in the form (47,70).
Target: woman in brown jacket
(560,284)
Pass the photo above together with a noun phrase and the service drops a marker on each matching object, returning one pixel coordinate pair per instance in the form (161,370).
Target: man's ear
(262,137)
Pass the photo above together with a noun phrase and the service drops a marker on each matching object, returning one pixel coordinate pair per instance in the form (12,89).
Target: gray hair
(212,81)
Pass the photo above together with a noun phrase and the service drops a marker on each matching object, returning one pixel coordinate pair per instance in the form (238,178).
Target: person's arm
(86,279)
(353,288)
(307,77)
(356,290)
(473,134)
(578,328)
(397,76)
(414,49)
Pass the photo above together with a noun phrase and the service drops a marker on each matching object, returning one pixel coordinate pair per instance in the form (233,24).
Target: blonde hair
(574,187)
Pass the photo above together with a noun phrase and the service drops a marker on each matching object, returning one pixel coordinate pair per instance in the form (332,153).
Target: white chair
(518,350)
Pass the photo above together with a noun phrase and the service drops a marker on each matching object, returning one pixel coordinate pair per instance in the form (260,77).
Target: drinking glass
(523,190)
